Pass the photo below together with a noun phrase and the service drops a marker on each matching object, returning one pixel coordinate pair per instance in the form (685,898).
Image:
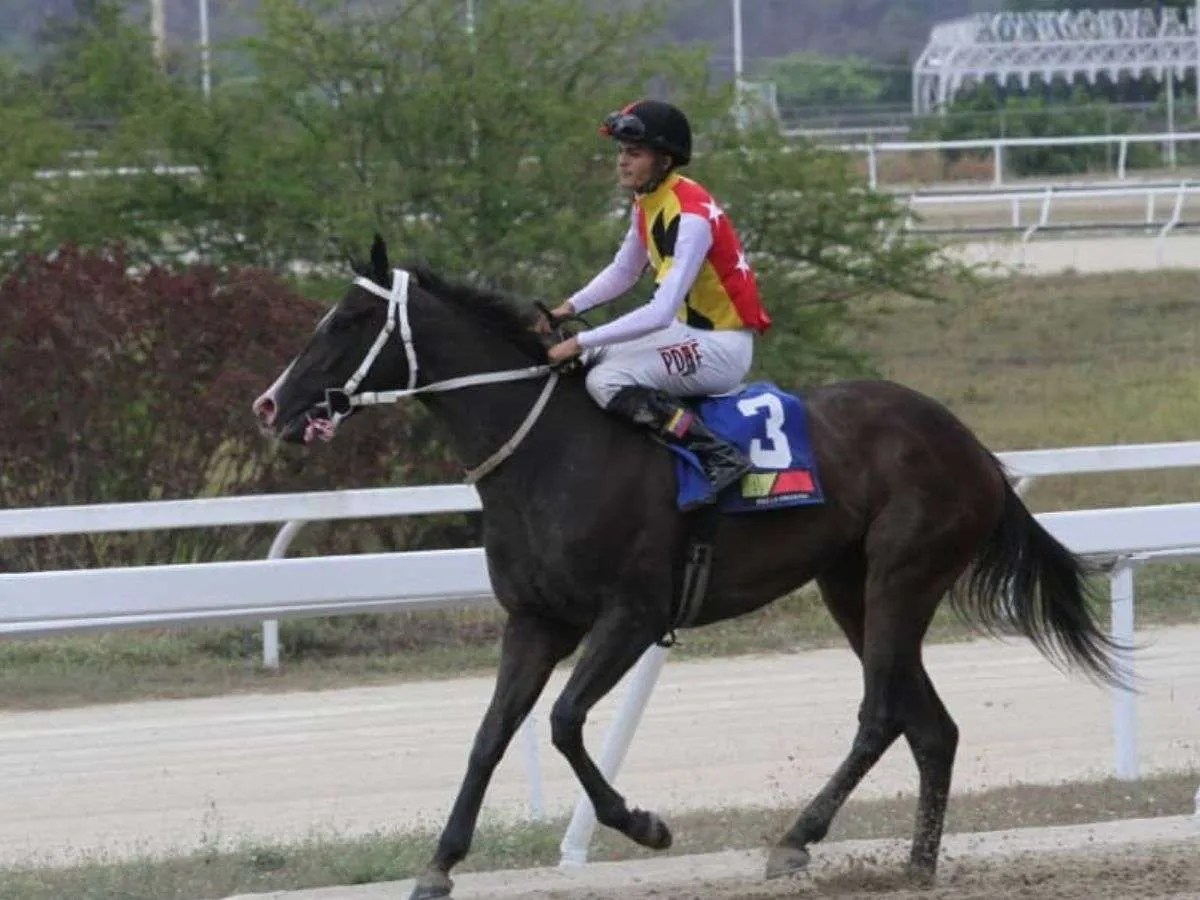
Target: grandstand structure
(1021,46)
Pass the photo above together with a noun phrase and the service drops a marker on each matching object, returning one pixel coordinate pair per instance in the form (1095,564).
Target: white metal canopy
(1019,46)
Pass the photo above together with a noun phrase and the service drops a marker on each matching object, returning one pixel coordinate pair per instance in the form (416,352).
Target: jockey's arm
(692,244)
(614,280)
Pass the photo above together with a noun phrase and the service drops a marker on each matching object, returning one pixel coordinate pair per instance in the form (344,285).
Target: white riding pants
(680,360)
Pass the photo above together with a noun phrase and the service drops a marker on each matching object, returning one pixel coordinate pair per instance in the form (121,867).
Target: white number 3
(775,453)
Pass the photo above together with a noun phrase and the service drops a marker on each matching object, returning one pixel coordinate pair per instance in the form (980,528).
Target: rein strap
(348,397)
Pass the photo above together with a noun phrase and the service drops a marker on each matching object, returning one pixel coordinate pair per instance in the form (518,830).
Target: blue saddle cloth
(771,428)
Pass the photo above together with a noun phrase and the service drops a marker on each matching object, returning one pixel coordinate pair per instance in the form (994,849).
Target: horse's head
(304,403)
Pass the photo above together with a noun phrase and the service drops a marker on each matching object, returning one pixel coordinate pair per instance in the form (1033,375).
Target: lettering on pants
(681,359)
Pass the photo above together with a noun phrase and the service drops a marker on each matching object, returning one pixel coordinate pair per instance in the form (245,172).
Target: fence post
(998,154)
(1124,701)
(533,768)
(872,167)
(270,627)
(1122,158)
(616,742)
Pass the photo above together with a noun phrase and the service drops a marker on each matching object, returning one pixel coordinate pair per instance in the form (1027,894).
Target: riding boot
(722,462)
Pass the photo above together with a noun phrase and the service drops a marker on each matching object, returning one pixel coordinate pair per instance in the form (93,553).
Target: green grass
(1060,362)
(1046,362)
(330,859)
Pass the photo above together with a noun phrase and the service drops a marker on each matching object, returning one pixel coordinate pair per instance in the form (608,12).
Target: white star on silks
(742,265)
(714,212)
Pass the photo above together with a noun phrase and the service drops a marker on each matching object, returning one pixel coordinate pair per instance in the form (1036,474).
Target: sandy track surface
(172,775)
(1143,858)
(1053,255)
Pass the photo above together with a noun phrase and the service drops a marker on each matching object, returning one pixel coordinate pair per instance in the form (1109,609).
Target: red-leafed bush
(121,386)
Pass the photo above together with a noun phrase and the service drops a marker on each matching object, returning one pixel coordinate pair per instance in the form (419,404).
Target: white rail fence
(997,146)
(1044,200)
(196,602)
(871,148)
(42,603)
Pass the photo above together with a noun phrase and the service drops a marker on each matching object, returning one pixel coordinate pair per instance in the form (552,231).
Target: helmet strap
(664,168)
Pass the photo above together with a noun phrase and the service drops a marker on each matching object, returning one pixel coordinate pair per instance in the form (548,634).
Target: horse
(583,539)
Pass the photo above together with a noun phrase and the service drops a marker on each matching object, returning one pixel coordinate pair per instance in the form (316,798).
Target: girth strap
(697,567)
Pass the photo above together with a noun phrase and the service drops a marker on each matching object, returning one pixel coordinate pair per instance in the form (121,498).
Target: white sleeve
(618,277)
(691,249)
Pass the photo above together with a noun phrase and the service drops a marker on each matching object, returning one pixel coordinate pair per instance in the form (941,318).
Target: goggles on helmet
(624,127)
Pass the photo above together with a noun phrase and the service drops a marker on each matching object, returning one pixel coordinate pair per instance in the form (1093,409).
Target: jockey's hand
(560,312)
(560,353)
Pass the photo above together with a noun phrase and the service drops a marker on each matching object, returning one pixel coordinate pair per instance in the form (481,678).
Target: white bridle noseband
(342,401)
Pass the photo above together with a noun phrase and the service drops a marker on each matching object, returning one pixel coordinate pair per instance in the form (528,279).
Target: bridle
(341,402)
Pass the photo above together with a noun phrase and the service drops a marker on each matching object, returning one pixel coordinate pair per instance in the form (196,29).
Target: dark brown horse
(583,539)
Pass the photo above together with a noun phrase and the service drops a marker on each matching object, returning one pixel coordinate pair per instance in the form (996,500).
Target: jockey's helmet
(655,124)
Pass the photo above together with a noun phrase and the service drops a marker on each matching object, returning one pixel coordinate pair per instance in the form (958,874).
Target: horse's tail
(1024,580)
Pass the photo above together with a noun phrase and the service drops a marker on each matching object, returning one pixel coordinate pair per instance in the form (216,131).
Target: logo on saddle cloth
(771,428)
(760,485)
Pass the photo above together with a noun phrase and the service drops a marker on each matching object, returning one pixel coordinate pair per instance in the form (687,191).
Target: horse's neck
(566,444)
(480,420)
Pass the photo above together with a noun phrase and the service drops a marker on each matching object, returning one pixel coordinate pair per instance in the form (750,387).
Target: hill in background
(883,30)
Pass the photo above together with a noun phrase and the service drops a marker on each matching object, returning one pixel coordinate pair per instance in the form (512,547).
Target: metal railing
(1044,199)
(33,603)
(997,147)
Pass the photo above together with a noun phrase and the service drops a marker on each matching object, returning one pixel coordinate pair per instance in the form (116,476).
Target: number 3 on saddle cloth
(771,428)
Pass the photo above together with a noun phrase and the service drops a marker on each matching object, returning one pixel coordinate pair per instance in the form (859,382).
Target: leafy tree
(31,139)
(475,152)
(810,79)
(821,241)
(96,65)
(1058,110)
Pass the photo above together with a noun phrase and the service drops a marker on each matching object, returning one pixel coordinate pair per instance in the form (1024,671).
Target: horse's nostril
(264,408)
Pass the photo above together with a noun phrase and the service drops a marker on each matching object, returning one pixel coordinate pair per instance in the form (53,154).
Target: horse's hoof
(649,830)
(783,861)
(921,873)
(431,886)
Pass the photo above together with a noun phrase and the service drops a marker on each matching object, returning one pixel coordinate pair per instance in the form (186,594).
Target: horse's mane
(497,312)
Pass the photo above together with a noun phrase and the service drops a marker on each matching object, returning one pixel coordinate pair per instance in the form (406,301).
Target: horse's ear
(379,260)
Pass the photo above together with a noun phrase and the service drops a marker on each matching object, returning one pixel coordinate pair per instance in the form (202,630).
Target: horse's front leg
(617,640)
(530,649)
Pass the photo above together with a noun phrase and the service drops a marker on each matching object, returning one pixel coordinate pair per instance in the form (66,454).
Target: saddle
(771,427)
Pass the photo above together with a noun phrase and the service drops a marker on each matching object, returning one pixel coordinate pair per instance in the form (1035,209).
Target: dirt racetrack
(1086,255)
(1146,859)
(767,730)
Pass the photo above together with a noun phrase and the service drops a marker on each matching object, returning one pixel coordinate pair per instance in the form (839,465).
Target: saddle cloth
(771,428)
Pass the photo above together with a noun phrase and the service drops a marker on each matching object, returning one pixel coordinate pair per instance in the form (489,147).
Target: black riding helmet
(654,124)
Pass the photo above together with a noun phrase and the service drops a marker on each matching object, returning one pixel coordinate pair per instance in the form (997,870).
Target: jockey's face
(637,166)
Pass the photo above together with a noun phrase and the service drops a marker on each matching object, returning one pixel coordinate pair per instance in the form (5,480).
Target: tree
(31,140)
(475,153)
(811,79)
(95,65)
(821,243)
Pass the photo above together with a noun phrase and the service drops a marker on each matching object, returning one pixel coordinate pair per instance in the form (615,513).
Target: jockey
(696,335)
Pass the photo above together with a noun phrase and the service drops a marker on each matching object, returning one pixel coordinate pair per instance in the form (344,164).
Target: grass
(330,859)
(1032,362)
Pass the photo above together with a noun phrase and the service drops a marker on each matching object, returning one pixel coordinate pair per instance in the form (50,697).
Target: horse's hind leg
(898,603)
(843,590)
(530,650)
(933,738)
(616,642)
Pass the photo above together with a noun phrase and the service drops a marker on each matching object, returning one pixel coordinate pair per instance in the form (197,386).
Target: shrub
(128,386)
